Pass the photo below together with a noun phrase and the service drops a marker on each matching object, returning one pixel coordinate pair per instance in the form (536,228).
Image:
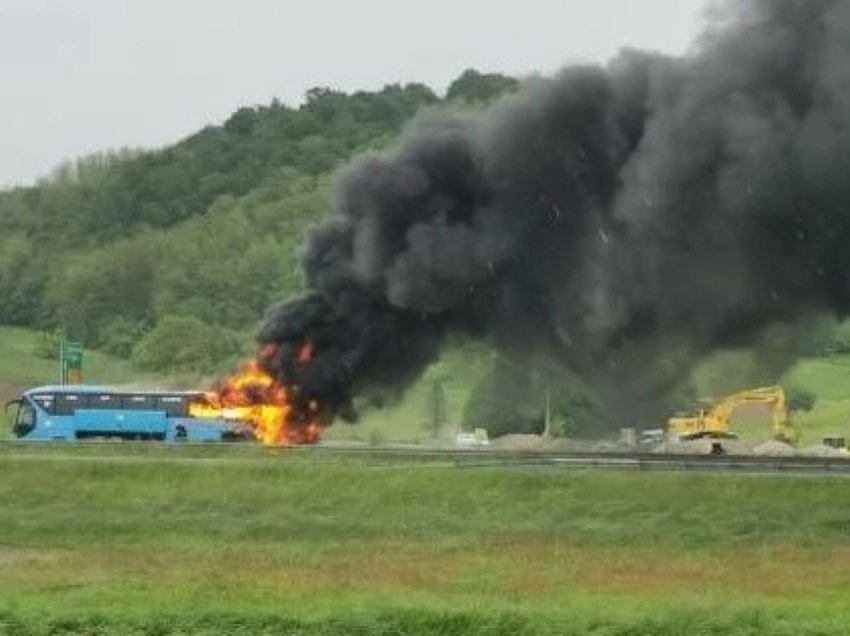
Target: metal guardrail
(788,465)
(692,463)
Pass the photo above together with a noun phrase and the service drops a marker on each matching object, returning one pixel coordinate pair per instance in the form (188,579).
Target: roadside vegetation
(267,543)
(448,398)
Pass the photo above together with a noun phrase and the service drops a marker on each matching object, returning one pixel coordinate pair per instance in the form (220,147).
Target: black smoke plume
(625,220)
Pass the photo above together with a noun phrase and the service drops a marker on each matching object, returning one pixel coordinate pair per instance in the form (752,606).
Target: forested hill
(171,256)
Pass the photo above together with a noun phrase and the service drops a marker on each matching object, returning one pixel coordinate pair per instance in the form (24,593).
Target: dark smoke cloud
(625,221)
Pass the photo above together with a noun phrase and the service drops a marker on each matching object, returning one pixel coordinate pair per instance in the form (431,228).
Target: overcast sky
(85,75)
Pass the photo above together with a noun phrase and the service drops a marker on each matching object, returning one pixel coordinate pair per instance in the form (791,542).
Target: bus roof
(94,389)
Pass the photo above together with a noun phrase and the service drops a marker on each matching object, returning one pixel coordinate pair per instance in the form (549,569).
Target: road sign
(71,362)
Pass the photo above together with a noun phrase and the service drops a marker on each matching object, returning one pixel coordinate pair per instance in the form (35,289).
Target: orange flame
(305,354)
(253,396)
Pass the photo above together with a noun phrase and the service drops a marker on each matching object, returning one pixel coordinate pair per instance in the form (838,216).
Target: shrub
(800,399)
(838,341)
(47,345)
(120,336)
(185,344)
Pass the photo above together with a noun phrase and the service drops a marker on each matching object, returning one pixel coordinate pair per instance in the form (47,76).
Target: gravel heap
(680,447)
(519,442)
(773,448)
(822,450)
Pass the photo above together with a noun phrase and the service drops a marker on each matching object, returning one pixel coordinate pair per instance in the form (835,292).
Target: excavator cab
(717,449)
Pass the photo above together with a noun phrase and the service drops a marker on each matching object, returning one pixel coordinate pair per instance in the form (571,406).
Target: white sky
(77,76)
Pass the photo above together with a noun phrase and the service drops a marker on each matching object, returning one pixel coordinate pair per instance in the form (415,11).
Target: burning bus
(249,404)
(90,412)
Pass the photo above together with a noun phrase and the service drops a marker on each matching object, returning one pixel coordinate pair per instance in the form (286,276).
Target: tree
(801,399)
(505,402)
(210,227)
(477,88)
(93,290)
(435,379)
(22,280)
(184,344)
(517,394)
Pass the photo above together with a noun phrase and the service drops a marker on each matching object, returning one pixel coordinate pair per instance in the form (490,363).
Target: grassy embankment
(284,544)
(829,379)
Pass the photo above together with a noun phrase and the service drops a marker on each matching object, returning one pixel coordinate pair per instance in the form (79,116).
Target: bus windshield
(23,420)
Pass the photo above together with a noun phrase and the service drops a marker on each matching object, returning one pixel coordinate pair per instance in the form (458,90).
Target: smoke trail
(625,220)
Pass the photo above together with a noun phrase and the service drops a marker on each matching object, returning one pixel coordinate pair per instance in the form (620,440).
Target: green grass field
(261,542)
(829,379)
(19,364)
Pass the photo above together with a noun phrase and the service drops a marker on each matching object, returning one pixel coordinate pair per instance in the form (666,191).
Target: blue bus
(89,412)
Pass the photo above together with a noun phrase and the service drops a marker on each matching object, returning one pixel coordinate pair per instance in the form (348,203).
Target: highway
(405,456)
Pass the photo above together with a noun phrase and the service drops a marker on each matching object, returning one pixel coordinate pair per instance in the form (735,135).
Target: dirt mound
(702,447)
(681,447)
(518,442)
(822,450)
(773,448)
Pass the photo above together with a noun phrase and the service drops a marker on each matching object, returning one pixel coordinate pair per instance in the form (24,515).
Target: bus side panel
(52,427)
(124,424)
(191,430)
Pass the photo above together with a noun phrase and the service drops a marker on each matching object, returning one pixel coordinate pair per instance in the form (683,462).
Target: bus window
(105,401)
(140,403)
(67,403)
(173,405)
(46,401)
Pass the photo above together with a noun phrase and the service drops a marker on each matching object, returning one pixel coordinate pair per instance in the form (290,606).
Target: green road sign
(71,362)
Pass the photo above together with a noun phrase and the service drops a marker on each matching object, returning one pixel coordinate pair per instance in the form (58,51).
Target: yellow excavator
(713,423)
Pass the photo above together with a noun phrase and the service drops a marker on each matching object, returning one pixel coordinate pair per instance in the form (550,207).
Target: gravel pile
(679,447)
(821,450)
(773,448)
(608,447)
(519,442)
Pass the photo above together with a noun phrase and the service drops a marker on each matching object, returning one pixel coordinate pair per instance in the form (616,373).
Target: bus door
(23,421)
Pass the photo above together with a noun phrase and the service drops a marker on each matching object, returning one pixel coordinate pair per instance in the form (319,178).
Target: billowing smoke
(625,221)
